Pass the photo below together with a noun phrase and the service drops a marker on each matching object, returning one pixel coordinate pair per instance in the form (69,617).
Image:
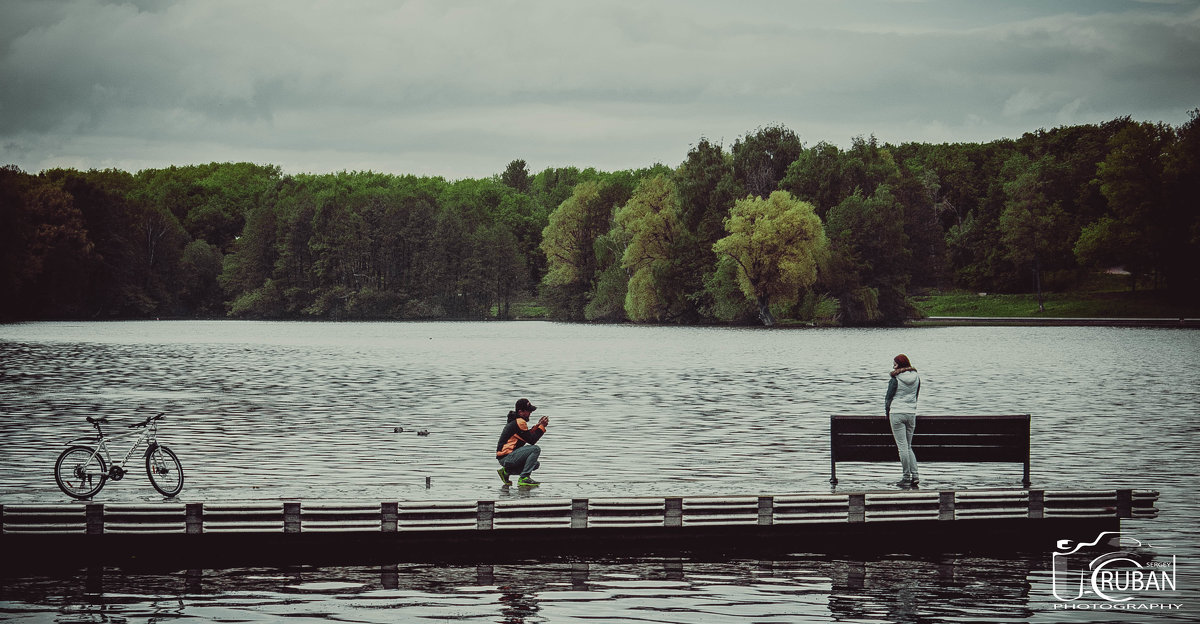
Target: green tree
(502,266)
(975,253)
(868,269)
(114,284)
(417,245)
(516,176)
(1101,243)
(465,207)
(569,244)
(921,196)
(1131,179)
(953,181)
(160,240)
(607,299)
(338,243)
(525,218)
(606,302)
(174,189)
(45,247)
(777,244)
(248,265)
(652,221)
(210,201)
(1032,226)
(728,303)
(276,238)
(816,177)
(867,165)
(229,191)
(200,267)
(761,159)
(553,186)
(706,189)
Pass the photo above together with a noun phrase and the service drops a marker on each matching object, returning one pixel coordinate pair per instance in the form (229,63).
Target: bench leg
(833,472)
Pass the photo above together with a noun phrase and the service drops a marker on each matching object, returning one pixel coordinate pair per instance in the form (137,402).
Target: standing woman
(901,410)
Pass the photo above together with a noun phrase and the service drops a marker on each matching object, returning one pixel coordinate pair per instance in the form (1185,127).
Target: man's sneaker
(915,481)
(527,482)
(906,482)
(504,475)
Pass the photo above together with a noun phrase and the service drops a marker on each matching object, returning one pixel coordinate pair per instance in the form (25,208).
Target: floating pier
(191,534)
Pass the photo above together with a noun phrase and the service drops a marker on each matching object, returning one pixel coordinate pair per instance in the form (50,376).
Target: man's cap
(523,405)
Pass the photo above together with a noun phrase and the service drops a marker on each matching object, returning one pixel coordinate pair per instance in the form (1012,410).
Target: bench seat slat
(935,424)
(933,454)
(933,439)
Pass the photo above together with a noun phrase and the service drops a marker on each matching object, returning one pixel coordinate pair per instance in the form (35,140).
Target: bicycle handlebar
(148,420)
(96,422)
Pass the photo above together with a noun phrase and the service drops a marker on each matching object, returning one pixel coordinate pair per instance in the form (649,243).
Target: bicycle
(85,466)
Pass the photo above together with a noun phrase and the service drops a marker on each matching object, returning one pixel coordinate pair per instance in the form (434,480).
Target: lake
(270,410)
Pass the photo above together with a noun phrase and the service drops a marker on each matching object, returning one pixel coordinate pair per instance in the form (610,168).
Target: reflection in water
(662,590)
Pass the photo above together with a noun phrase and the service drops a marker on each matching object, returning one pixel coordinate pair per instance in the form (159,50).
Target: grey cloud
(459,89)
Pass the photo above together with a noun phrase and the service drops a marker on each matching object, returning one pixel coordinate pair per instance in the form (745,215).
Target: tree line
(762,230)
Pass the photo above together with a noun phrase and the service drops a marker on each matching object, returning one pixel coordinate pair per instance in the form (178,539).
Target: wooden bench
(937,439)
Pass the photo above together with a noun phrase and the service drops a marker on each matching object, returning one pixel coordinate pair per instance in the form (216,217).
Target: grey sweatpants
(903,426)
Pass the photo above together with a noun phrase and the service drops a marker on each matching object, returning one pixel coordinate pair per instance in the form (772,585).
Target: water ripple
(323,410)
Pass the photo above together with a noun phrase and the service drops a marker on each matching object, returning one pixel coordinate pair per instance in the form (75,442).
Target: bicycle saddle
(102,421)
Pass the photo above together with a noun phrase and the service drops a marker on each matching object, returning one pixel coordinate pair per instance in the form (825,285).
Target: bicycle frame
(148,434)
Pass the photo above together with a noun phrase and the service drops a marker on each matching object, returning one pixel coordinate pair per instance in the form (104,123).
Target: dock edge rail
(694,511)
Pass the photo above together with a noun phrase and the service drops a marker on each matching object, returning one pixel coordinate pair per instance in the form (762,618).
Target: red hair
(902,361)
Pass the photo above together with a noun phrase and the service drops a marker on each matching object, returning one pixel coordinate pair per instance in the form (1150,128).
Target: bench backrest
(1002,438)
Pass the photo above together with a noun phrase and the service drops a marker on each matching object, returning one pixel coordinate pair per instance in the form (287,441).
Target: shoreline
(929,321)
(1035,321)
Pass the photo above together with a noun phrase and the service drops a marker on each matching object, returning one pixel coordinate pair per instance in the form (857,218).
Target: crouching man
(517,450)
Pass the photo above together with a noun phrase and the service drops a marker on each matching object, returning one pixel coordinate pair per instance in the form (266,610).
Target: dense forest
(763,230)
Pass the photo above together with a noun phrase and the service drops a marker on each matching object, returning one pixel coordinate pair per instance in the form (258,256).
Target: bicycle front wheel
(80,472)
(164,470)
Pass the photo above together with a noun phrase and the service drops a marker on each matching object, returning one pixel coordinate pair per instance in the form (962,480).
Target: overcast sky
(460,89)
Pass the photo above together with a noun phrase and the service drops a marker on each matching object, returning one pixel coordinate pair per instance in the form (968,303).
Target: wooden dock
(226,533)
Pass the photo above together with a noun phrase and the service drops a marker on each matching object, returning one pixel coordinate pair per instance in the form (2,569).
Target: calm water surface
(261,410)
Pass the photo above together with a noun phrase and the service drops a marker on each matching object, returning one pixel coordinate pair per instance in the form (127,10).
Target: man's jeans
(522,461)
(903,426)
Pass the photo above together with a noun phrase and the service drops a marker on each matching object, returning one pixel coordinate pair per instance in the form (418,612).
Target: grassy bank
(1093,304)
(1100,295)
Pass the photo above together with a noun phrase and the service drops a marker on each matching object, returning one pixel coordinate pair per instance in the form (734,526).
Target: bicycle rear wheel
(165,471)
(80,472)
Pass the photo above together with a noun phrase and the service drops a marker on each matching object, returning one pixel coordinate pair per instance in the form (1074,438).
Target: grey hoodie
(903,389)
